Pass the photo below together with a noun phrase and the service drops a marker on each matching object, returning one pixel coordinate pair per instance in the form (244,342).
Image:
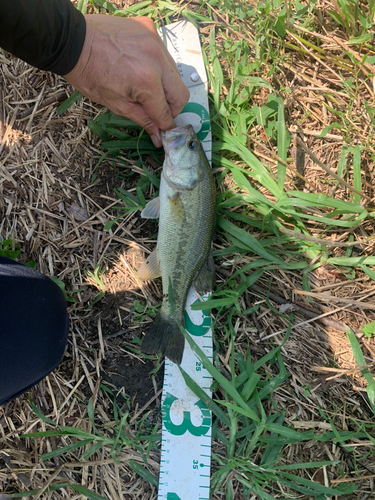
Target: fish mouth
(176,137)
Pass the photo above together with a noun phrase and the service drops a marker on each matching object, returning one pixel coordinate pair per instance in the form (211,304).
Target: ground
(56,198)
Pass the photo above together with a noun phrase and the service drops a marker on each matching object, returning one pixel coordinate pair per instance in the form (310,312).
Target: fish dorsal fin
(150,267)
(152,209)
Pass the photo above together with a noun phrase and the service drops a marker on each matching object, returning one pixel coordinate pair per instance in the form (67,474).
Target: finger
(176,92)
(136,113)
(177,98)
(157,108)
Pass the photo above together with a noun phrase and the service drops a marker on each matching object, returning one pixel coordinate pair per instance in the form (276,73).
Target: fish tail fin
(166,337)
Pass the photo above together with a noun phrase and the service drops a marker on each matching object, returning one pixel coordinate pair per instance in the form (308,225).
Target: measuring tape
(186,433)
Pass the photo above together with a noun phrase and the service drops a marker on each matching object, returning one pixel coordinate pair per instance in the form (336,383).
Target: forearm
(48,34)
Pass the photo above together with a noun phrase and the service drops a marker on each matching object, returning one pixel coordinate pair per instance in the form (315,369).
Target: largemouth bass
(186,209)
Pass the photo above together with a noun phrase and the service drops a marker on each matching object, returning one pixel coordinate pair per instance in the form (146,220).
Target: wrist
(78,71)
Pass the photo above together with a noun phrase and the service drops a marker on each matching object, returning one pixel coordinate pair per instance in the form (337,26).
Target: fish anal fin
(152,209)
(204,282)
(149,269)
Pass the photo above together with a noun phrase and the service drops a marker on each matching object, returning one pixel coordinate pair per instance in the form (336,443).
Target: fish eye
(192,145)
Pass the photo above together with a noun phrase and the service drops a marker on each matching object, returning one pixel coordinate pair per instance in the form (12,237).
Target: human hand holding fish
(125,66)
(186,208)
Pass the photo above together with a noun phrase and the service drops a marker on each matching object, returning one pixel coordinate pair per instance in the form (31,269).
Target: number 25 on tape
(186,425)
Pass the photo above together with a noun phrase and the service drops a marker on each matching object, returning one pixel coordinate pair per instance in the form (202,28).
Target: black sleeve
(47,34)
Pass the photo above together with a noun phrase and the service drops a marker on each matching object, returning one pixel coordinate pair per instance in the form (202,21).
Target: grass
(293,122)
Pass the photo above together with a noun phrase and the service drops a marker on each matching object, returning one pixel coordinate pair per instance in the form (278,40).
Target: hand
(126,67)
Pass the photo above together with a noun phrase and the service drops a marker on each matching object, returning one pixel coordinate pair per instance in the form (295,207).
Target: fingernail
(156,141)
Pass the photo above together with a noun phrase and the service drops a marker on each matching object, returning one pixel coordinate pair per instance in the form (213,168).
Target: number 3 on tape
(186,425)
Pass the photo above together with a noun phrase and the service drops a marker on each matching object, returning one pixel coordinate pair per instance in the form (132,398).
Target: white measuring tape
(186,435)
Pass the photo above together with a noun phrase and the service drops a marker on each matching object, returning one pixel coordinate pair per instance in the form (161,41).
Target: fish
(186,209)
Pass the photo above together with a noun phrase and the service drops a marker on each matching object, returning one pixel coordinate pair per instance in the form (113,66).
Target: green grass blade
(65,449)
(236,409)
(283,141)
(143,472)
(218,79)
(258,170)
(40,415)
(360,360)
(224,382)
(131,143)
(104,4)
(302,199)
(370,273)
(319,488)
(82,6)
(76,96)
(357,182)
(306,465)
(53,487)
(200,393)
(87,493)
(247,239)
(134,9)
(93,449)
(351,261)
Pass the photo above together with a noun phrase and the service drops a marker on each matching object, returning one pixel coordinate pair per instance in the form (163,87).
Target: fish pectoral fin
(152,209)
(177,208)
(150,267)
(204,282)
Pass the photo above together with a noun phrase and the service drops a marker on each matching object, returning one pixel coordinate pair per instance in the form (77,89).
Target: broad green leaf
(82,6)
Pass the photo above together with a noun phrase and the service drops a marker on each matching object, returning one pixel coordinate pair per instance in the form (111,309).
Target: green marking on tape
(198,330)
(204,117)
(186,425)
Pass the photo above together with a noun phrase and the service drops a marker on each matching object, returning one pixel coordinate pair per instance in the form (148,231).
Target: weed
(369,329)
(141,311)
(9,249)
(96,278)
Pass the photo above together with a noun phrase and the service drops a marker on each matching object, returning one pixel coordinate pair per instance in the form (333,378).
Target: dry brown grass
(49,205)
